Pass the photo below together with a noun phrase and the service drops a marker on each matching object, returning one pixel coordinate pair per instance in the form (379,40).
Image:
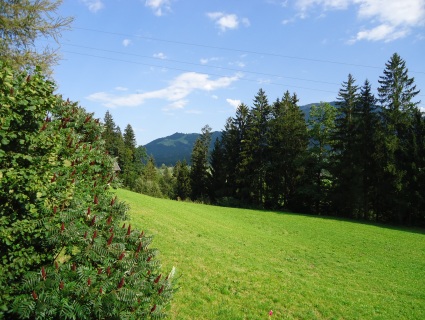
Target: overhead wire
(186,70)
(236,50)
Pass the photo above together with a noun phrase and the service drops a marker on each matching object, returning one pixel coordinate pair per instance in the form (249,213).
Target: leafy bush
(64,253)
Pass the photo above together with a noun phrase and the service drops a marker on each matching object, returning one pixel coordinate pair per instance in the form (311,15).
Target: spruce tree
(396,93)
(367,151)
(218,173)
(181,173)
(315,190)
(254,152)
(233,137)
(287,147)
(345,170)
(199,172)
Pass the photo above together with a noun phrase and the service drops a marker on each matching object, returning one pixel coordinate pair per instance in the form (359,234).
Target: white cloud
(176,92)
(208,60)
(160,55)
(234,103)
(227,21)
(159,7)
(126,42)
(93,5)
(121,89)
(239,64)
(386,20)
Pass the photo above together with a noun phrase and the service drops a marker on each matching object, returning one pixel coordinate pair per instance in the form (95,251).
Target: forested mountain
(178,146)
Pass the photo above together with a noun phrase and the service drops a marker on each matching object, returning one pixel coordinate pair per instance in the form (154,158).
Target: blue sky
(168,66)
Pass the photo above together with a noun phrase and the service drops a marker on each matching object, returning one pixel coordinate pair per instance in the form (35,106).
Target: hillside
(178,146)
(240,264)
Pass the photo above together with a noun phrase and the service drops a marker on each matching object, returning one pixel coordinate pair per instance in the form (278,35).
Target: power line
(237,50)
(201,65)
(186,70)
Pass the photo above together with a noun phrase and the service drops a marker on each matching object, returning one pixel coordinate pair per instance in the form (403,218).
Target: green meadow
(240,264)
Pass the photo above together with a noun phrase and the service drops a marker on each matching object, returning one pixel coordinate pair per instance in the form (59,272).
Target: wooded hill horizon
(178,146)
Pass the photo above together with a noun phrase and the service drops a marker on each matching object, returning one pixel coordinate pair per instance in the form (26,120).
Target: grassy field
(240,264)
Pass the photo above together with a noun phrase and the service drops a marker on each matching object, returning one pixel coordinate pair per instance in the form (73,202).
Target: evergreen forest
(360,158)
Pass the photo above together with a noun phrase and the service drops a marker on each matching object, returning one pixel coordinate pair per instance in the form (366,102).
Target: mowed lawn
(240,264)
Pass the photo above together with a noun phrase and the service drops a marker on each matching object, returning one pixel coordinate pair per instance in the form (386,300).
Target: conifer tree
(233,137)
(199,172)
(182,175)
(287,147)
(253,166)
(396,93)
(218,173)
(367,151)
(314,193)
(345,170)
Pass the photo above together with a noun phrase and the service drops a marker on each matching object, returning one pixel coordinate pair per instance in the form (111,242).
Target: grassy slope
(239,264)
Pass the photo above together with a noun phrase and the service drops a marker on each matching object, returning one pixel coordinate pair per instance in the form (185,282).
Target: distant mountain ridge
(179,146)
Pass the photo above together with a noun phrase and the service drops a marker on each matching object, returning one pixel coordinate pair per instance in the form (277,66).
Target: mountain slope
(178,146)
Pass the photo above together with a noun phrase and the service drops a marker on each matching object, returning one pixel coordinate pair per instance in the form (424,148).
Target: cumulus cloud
(176,92)
(93,5)
(235,103)
(227,21)
(160,55)
(385,20)
(159,7)
(126,42)
(121,88)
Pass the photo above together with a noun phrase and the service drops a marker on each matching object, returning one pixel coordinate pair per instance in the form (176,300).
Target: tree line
(361,158)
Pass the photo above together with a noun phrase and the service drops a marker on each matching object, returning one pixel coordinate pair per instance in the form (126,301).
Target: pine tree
(367,151)
(396,93)
(181,173)
(253,166)
(110,135)
(199,172)
(345,170)
(287,146)
(218,173)
(315,190)
(128,158)
(232,139)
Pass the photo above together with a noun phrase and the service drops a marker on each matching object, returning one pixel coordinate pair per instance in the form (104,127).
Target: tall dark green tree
(199,172)
(396,95)
(367,152)
(287,147)
(181,173)
(345,170)
(218,174)
(232,139)
(315,190)
(254,153)
(113,138)
(130,164)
